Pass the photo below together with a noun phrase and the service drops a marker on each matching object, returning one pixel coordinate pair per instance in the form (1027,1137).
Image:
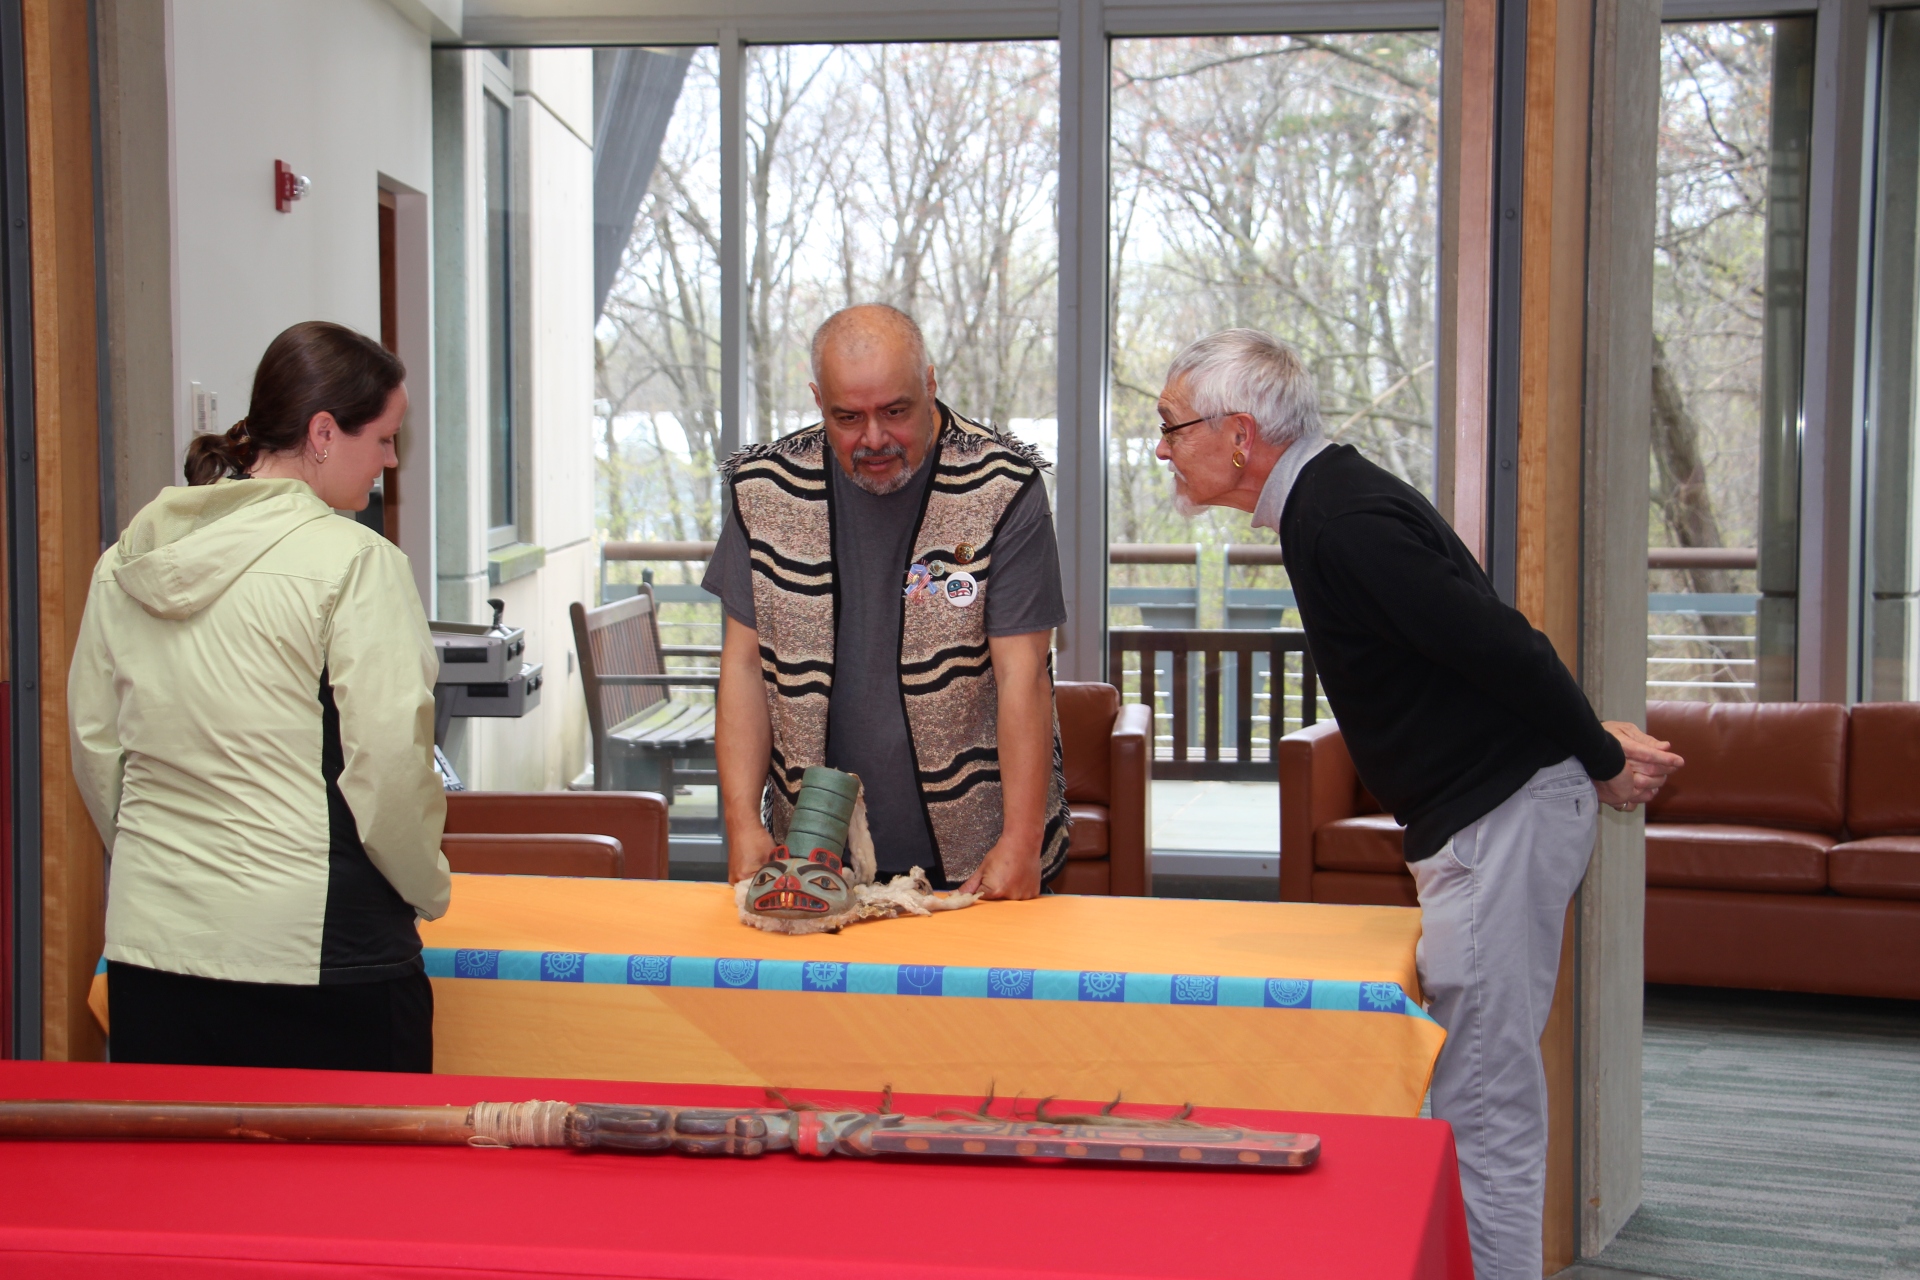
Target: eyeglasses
(1168,429)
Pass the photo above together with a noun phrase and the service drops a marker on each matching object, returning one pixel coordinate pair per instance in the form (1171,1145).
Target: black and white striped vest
(946,675)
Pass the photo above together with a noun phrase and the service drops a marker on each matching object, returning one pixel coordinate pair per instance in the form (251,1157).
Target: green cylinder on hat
(840,784)
(825,803)
(820,828)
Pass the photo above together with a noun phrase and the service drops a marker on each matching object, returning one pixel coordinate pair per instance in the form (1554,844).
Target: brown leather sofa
(1785,856)
(636,821)
(1104,751)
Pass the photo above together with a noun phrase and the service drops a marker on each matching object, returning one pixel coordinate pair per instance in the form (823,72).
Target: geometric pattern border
(834,977)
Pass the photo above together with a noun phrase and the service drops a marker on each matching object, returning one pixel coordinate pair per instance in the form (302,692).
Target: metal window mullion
(734,401)
(1826,659)
(1503,460)
(1081,490)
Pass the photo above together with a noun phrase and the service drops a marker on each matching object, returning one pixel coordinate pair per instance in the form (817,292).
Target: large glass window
(1728,325)
(657,350)
(1890,542)
(498,178)
(921,175)
(1287,183)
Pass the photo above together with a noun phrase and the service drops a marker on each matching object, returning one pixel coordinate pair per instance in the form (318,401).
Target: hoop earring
(1239,460)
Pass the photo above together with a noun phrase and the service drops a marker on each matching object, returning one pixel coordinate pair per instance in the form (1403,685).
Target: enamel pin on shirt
(961,590)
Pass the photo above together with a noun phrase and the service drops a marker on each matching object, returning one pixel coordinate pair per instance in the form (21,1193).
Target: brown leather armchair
(1335,844)
(494,854)
(636,820)
(1105,750)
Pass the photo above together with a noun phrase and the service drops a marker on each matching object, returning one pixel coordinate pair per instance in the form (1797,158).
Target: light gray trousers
(1493,904)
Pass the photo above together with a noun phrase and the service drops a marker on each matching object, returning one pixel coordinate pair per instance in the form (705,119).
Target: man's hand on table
(748,849)
(1649,764)
(1010,870)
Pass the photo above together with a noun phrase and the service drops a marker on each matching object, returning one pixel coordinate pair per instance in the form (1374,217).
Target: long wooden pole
(685,1130)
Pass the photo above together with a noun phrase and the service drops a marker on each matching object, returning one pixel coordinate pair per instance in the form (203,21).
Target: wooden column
(1547,577)
(1584,314)
(67,467)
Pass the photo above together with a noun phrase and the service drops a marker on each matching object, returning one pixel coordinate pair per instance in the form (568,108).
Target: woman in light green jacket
(252,710)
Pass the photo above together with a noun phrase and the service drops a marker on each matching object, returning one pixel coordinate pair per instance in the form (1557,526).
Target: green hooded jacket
(252,709)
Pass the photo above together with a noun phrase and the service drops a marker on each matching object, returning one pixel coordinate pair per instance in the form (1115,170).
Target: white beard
(881,488)
(1186,506)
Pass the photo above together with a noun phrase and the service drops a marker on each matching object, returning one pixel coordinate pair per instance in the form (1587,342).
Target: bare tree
(1710,253)
(1284,183)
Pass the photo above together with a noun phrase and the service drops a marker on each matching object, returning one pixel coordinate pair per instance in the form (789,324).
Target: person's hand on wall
(1649,764)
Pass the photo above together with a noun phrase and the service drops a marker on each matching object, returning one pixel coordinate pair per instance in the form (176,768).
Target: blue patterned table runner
(839,978)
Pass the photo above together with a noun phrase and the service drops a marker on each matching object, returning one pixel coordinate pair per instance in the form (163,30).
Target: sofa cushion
(1877,867)
(1711,855)
(1784,942)
(1089,837)
(1370,843)
(1772,764)
(1086,711)
(1883,769)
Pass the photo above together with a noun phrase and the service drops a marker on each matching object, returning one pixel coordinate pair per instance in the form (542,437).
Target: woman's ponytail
(213,457)
(314,367)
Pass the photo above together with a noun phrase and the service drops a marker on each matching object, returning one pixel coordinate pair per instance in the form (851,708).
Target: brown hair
(313,367)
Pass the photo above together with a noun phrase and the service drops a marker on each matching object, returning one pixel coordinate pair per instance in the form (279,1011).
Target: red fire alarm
(288,186)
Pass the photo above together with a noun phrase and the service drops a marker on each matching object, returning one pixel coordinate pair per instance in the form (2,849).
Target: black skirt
(360,1026)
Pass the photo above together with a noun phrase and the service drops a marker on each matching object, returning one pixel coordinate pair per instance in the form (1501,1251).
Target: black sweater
(1448,699)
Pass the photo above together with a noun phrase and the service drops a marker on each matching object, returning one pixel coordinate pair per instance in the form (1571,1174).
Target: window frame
(497,89)
(1826,664)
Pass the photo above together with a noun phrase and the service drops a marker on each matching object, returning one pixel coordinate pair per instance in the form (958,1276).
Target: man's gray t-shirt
(866,716)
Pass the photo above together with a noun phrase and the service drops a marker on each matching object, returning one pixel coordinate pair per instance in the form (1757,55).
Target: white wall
(340,90)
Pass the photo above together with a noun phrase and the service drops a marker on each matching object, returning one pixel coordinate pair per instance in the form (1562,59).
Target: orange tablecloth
(1278,1006)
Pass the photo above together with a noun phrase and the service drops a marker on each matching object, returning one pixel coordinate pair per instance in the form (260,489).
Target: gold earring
(1239,460)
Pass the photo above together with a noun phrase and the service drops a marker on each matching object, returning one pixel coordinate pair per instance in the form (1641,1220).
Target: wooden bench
(644,739)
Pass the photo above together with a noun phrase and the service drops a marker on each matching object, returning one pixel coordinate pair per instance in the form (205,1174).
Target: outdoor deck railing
(1680,663)
(1197,661)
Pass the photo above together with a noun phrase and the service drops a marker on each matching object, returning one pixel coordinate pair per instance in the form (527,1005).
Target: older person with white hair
(1461,720)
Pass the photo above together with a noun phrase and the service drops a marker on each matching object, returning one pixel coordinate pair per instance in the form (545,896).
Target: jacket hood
(190,544)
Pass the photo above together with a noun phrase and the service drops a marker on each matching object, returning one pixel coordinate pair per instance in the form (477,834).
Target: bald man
(890,581)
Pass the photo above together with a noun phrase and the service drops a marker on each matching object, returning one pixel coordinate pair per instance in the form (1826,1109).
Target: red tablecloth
(1384,1200)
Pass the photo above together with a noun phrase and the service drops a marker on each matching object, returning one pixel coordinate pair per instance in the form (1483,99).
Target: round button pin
(962,590)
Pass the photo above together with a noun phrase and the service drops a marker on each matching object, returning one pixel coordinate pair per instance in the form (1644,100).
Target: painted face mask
(822,878)
(800,888)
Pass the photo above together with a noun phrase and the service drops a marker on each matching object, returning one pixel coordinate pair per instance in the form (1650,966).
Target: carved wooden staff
(687,1130)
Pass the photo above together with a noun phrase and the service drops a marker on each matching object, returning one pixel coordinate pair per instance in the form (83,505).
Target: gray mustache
(890,451)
